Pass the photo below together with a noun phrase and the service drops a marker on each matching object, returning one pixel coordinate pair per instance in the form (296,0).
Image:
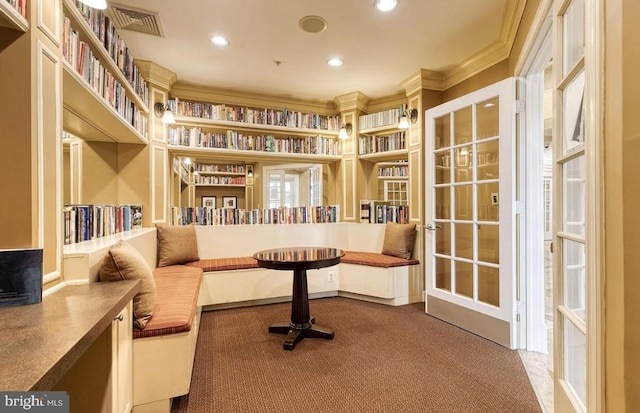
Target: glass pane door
(469,197)
(570,329)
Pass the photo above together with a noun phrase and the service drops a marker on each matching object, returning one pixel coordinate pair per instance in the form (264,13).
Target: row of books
(227,216)
(375,144)
(260,116)
(20,5)
(207,167)
(196,138)
(87,222)
(400,170)
(105,30)
(80,56)
(219,180)
(381,212)
(377,119)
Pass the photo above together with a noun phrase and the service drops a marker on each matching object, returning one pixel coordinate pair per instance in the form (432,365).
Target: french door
(470,212)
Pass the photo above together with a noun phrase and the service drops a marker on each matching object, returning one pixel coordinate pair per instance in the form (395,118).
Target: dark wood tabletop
(298,258)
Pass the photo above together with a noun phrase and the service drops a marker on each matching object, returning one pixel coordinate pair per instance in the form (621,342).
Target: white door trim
(531,158)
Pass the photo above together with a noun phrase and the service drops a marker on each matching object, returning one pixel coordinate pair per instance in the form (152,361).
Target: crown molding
(351,101)
(423,79)
(190,91)
(157,75)
(492,54)
(386,102)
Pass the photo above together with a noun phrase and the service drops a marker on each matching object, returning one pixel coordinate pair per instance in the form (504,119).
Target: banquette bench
(226,275)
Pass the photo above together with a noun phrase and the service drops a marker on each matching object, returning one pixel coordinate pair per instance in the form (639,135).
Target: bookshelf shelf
(88,115)
(225,185)
(256,127)
(79,23)
(385,156)
(248,155)
(378,130)
(11,18)
(221,173)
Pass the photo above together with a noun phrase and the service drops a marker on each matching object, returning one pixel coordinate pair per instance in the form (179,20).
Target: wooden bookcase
(88,111)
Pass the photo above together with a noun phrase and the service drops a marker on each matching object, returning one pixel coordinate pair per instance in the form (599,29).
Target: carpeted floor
(382,359)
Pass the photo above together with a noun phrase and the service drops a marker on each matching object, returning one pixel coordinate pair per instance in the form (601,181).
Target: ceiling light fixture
(345,131)
(408,115)
(385,5)
(335,62)
(219,41)
(95,4)
(164,111)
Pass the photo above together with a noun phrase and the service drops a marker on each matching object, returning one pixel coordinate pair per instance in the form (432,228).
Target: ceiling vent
(136,20)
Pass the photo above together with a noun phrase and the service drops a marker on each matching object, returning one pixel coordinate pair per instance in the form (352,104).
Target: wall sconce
(163,111)
(249,171)
(408,115)
(345,131)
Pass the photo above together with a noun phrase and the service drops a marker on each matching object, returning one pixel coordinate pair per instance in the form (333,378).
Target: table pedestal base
(295,333)
(301,324)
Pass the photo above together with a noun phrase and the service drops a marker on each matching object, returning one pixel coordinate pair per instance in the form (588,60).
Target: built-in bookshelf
(284,120)
(381,212)
(13,14)
(393,170)
(207,174)
(372,144)
(87,222)
(105,97)
(258,144)
(228,216)
(379,120)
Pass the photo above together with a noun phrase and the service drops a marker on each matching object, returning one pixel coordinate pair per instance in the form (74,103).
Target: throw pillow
(124,262)
(399,240)
(176,244)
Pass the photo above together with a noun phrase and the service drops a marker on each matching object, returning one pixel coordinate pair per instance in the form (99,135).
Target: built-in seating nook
(329,207)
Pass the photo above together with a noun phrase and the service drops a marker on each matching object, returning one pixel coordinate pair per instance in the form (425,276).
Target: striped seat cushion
(225,264)
(375,259)
(177,288)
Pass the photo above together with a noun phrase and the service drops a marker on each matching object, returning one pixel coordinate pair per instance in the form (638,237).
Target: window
(396,192)
(292,185)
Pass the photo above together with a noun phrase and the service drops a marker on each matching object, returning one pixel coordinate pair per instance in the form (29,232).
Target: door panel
(469,192)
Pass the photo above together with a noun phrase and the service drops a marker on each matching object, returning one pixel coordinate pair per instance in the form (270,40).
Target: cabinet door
(122,362)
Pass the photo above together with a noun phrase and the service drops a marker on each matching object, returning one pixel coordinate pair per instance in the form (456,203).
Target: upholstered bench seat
(177,288)
(225,264)
(374,259)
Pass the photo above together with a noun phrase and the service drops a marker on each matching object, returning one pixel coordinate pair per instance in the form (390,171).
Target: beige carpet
(382,359)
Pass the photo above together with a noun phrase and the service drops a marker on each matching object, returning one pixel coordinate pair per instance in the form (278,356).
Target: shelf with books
(372,144)
(384,156)
(88,222)
(264,119)
(13,14)
(100,101)
(233,144)
(88,115)
(207,174)
(393,170)
(232,216)
(96,29)
(384,120)
(381,212)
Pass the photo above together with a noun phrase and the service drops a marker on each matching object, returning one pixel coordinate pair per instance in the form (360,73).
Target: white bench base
(162,368)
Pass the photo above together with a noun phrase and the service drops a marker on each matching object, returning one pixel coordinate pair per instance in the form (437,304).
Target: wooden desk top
(39,343)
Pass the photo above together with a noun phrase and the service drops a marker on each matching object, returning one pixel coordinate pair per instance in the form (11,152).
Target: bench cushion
(375,259)
(225,264)
(177,288)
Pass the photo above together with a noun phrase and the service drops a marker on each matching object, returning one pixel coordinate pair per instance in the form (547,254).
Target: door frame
(533,330)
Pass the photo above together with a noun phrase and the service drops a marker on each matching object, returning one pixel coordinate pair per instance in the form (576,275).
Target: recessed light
(219,41)
(385,5)
(335,62)
(489,105)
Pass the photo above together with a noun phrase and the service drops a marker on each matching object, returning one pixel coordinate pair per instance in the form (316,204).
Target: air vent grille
(136,20)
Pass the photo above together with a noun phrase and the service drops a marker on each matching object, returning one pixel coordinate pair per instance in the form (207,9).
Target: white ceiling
(380,50)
